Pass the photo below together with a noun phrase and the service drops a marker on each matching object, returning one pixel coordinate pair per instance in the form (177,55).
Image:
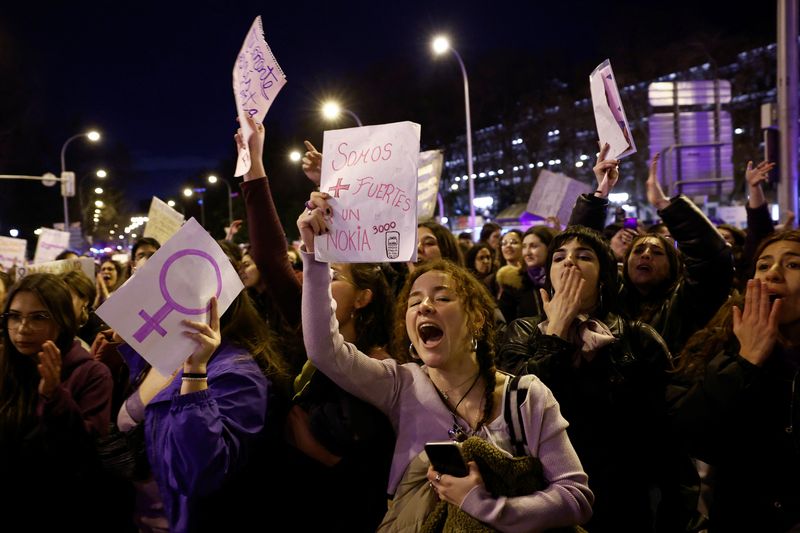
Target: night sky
(155,77)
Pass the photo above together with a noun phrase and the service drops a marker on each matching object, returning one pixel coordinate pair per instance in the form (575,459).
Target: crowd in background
(648,374)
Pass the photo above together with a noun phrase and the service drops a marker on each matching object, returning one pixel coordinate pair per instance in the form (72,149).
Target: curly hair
(608,278)
(479,307)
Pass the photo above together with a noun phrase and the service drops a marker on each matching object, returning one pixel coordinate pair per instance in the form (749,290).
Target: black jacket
(681,309)
(616,410)
(744,420)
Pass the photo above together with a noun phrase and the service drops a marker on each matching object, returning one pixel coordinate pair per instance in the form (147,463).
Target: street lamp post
(331,110)
(213,179)
(440,46)
(92,136)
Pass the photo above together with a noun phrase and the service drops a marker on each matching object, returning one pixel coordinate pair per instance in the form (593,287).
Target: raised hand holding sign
(175,284)
(257,80)
(370,174)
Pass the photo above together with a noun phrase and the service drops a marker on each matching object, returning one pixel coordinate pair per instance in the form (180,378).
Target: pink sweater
(407,396)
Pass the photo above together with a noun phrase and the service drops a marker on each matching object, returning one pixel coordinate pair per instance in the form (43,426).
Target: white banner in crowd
(51,243)
(85,264)
(609,115)
(429,173)
(12,252)
(257,79)
(554,195)
(176,283)
(162,221)
(371,175)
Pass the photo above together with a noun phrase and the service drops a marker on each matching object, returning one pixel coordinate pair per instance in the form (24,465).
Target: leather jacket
(616,408)
(686,305)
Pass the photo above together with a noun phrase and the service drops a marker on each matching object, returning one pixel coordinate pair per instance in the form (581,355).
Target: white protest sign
(176,283)
(85,264)
(51,243)
(162,221)
(554,195)
(612,125)
(12,252)
(257,79)
(735,215)
(371,175)
(429,173)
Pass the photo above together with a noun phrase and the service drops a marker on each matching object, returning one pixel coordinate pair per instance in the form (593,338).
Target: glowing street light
(98,203)
(187,192)
(171,203)
(331,110)
(66,190)
(295,156)
(98,190)
(213,179)
(440,46)
(101,173)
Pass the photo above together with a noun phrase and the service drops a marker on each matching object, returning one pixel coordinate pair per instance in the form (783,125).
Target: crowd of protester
(599,377)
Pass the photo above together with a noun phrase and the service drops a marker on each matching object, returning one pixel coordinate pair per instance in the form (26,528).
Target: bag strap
(513,415)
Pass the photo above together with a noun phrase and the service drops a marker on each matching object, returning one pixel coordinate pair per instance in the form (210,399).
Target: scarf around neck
(588,333)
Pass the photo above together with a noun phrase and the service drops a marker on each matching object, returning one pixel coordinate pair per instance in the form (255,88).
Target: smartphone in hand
(446,458)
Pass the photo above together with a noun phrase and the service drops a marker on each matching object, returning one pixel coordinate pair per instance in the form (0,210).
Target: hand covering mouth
(429,332)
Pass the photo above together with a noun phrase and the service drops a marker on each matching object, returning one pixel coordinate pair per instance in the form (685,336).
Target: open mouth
(773,296)
(430,334)
(644,268)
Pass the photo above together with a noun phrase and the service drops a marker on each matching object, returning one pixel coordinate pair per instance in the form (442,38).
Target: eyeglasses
(35,321)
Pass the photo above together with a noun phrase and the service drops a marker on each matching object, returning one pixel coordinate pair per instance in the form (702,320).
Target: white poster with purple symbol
(609,115)
(257,79)
(175,284)
(371,175)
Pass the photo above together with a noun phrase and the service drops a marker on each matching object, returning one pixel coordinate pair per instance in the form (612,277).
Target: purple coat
(196,441)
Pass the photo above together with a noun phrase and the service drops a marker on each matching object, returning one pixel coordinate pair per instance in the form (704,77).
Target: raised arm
(267,239)
(759,222)
(371,380)
(590,209)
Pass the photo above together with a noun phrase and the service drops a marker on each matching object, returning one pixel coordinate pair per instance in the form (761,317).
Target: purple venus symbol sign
(153,323)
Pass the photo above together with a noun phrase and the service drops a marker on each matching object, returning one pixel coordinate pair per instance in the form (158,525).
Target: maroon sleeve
(268,248)
(84,396)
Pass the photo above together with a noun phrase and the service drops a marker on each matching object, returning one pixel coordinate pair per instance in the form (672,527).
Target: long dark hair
(706,343)
(242,326)
(19,378)
(673,257)
(373,321)
(544,233)
(608,279)
(448,245)
(479,307)
(472,254)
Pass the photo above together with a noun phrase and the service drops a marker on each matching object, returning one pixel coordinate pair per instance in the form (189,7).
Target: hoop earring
(474,343)
(412,351)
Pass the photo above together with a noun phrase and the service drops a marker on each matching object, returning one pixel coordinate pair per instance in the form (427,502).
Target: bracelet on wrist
(195,375)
